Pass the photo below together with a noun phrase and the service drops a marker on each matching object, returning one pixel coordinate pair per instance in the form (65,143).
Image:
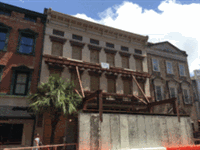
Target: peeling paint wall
(127,131)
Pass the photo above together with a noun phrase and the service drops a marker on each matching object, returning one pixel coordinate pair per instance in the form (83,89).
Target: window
(77,37)
(125,62)
(57,32)
(110,59)
(142,86)
(173,93)
(94,56)
(39,120)
(186,96)
(93,41)
(20,87)
(127,86)
(4,34)
(21,80)
(124,48)
(57,48)
(94,82)
(155,65)
(77,52)
(74,78)
(139,64)
(169,67)
(158,93)
(27,41)
(5,12)
(137,51)
(111,85)
(181,70)
(30,18)
(1,72)
(109,45)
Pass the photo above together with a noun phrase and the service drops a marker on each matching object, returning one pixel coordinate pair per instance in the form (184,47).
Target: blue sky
(162,20)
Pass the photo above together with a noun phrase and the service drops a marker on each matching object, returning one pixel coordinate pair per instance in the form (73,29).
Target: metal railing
(46,147)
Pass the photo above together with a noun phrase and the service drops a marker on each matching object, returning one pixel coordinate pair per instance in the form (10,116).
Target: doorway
(11,133)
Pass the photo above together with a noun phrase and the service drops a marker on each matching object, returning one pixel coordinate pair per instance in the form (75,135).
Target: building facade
(71,42)
(21,44)
(170,77)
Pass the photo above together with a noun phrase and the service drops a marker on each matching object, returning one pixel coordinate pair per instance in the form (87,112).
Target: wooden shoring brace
(140,89)
(89,98)
(78,93)
(139,99)
(79,79)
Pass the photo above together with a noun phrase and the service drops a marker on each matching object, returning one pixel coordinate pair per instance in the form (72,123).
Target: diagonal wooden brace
(79,79)
(140,89)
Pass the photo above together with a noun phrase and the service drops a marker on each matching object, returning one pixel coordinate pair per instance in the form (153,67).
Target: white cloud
(177,23)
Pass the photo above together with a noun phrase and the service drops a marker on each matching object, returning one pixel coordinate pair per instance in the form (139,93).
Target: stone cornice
(84,25)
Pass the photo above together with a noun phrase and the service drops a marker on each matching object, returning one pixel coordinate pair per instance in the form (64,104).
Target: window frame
(30,33)
(172,71)
(157,64)
(21,69)
(161,89)
(5,29)
(183,70)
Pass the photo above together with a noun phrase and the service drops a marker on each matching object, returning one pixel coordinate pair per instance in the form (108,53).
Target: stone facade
(168,76)
(19,67)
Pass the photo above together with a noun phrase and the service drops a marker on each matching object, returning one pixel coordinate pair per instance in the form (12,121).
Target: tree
(56,97)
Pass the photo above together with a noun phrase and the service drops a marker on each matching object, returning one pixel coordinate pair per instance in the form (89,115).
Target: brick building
(21,45)
(170,77)
(71,42)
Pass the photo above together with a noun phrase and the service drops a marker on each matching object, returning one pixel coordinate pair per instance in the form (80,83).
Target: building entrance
(11,133)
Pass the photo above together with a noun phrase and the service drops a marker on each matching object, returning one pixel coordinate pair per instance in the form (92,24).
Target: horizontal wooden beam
(171,100)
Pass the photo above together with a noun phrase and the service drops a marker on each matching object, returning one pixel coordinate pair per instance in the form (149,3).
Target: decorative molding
(125,54)
(138,56)
(110,51)
(76,43)
(57,39)
(92,47)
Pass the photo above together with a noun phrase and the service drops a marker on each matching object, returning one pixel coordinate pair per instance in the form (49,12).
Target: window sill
(13,96)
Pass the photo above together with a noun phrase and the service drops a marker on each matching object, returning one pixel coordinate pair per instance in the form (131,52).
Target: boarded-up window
(139,66)
(57,48)
(75,80)
(125,62)
(127,86)
(94,82)
(77,52)
(111,85)
(54,71)
(142,86)
(94,56)
(39,120)
(110,59)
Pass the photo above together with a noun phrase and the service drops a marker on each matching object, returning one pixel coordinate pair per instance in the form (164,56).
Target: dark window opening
(2,39)
(110,45)
(137,51)
(124,48)
(26,44)
(77,37)
(93,41)
(5,12)
(30,18)
(57,32)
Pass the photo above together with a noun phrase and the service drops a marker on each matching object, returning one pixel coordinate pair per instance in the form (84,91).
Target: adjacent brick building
(21,45)
(170,77)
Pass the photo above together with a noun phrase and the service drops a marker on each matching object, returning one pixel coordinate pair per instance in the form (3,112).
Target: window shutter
(74,78)
(76,52)
(110,59)
(127,86)
(139,66)
(94,83)
(94,56)
(111,85)
(125,62)
(57,48)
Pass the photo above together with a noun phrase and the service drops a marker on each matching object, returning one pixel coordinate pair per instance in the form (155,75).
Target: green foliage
(55,96)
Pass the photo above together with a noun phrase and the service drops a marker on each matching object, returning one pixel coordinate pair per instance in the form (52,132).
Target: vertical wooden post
(79,79)
(140,89)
